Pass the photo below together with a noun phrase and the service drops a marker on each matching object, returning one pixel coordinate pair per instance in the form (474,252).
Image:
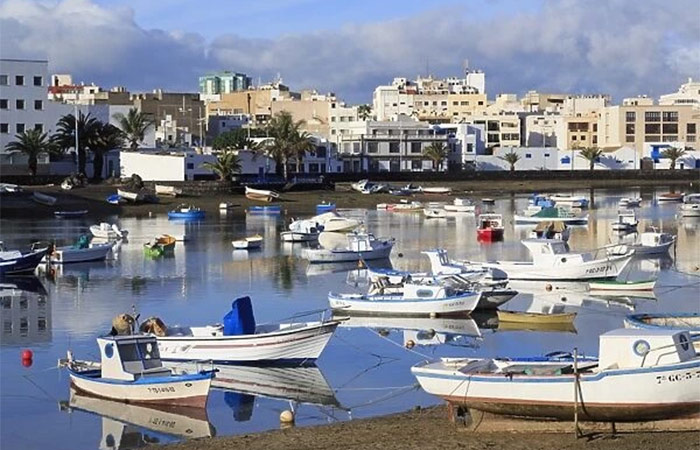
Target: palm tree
(32,143)
(436,152)
(227,164)
(87,130)
(591,154)
(673,153)
(108,138)
(511,158)
(234,140)
(284,132)
(134,125)
(302,143)
(364,112)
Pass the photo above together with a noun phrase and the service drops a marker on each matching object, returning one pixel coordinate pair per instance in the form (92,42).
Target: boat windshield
(140,351)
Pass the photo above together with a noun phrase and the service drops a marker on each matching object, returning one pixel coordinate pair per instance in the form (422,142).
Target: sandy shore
(430,429)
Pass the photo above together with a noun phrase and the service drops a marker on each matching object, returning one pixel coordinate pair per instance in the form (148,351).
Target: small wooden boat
(339,247)
(43,199)
(108,231)
(669,197)
(614,387)
(129,195)
(461,205)
(490,228)
(629,202)
(691,206)
(529,317)
(325,207)
(186,212)
(271,209)
(239,339)
(437,190)
(162,245)
(171,191)
(615,285)
(15,262)
(70,214)
(260,195)
(82,251)
(131,371)
(434,213)
(248,243)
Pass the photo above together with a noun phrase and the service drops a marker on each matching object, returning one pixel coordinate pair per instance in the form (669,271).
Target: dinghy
(162,245)
(538,318)
(43,199)
(108,231)
(615,285)
(130,196)
(669,197)
(115,199)
(239,339)
(434,213)
(171,191)
(437,190)
(302,231)
(186,212)
(648,243)
(640,375)
(406,207)
(81,251)
(131,371)
(260,195)
(691,206)
(248,243)
(339,247)
(489,228)
(334,222)
(70,214)
(325,207)
(461,205)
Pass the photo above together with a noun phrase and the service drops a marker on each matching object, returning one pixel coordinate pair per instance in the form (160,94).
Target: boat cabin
(629,348)
(426,291)
(553,252)
(490,221)
(440,262)
(130,357)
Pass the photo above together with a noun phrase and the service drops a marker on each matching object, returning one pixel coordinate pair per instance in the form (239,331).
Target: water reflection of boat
(22,283)
(328,268)
(444,326)
(182,422)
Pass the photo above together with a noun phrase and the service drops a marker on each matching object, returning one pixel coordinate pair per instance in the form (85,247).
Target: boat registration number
(677,377)
(598,269)
(161,390)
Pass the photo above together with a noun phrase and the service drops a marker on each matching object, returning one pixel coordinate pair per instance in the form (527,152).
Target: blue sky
(617,47)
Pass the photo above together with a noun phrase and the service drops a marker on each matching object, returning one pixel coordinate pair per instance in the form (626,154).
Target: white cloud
(620,47)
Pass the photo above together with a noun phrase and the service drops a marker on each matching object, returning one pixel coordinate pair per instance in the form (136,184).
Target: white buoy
(287,416)
(433,315)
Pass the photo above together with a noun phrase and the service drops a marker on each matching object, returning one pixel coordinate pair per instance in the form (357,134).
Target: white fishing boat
(130,196)
(108,231)
(552,261)
(339,247)
(43,199)
(640,375)
(461,205)
(572,201)
(435,213)
(538,214)
(80,253)
(131,371)
(172,191)
(670,197)
(669,321)
(416,299)
(406,207)
(304,230)
(629,202)
(332,221)
(248,243)
(261,195)
(690,206)
(647,243)
(239,339)
(626,220)
(551,230)
(437,190)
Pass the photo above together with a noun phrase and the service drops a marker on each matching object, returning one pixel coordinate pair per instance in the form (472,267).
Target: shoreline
(430,428)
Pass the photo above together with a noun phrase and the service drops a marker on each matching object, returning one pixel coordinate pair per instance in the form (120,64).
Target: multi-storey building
(256,103)
(186,109)
(224,83)
(688,94)
(544,130)
(534,101)
(62,89)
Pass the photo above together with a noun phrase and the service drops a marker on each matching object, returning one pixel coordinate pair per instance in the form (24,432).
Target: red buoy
(27,354)
(27,362)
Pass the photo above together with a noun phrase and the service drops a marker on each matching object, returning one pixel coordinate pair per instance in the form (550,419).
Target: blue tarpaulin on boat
(240,319)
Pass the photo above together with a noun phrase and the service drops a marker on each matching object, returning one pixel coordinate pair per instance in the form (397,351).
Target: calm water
(363,372)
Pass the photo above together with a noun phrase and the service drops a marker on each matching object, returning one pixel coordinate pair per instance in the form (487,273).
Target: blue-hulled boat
(325,207)
(17,262)
(270,209)
(186,212)
(115,199)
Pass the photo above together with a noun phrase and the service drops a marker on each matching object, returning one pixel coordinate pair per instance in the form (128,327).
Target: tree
(227,164)
(87,130)
(285,135)
(674,154)
(302,142)
(134,126)
(237,140)
(364,112)
(511,158)
(32,143)
(108,137)
(591,154)
(436,152)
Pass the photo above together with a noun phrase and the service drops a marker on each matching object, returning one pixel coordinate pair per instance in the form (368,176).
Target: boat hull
(323,255)
(622,286)
(296,236)
(66,255)
(194,215)
(398,306)
(23,264)
(460,208)
(286,345)
(535,220)
(591,270)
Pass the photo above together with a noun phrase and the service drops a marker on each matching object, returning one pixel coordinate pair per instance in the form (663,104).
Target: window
(652,116)
(416,164)
(583,137)
(416,147)
(465,103)
(629,138)
(470,148)
(655,138)
(629,128)
(321,152)
(481,103)
(190,166)
(690,128)
(455,103)
(630,116)
(38,80)
(670,138)
(573,138)
(19,80)
(670,128)
(4,80)
(595,139)
(356,147)
(546,155)
(19,128)
(595,127)
(690,138)
(39,105)
(443,103)
(3,103)
(313,168)
(4,128)
(670,116)
(528,155)
(393,147)
(652,128)
(372,147)
(19,104)
(39,127)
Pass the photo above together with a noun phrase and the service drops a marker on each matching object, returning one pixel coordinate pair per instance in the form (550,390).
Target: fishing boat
(640,375)
(669,197)
(552,261)
(434,213)
(269,209)
(70,214)
(238,339)
(647,243)
(108,231)
(415,299)
(691,206)
(615,285)
(629,202)
(162,245)
(325,207)
(551,230)
(437,190)
(367,187)
(248,243)
(441,264)
(43,199)
(572,201)
(260,195)
(355,246)
(461,205)
(15,262)
(551,214)
(131,371)
(531,317)
(490,227)
(81,251)
(334,222)
(671,321)
(130,196)
(171,191)
(626,220)
(115,199)
(302,231)
(406,207)
(186,212)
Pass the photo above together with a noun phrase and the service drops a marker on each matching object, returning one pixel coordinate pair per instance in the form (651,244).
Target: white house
(166,165)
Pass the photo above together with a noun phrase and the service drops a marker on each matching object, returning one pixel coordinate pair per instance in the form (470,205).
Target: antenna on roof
(466,65)
(427,66)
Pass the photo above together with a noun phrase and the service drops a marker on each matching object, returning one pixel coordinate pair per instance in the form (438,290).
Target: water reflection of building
(25,312)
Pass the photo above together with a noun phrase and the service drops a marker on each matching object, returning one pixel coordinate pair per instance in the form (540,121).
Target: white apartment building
(581,105)
(544,130)
(688,94)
